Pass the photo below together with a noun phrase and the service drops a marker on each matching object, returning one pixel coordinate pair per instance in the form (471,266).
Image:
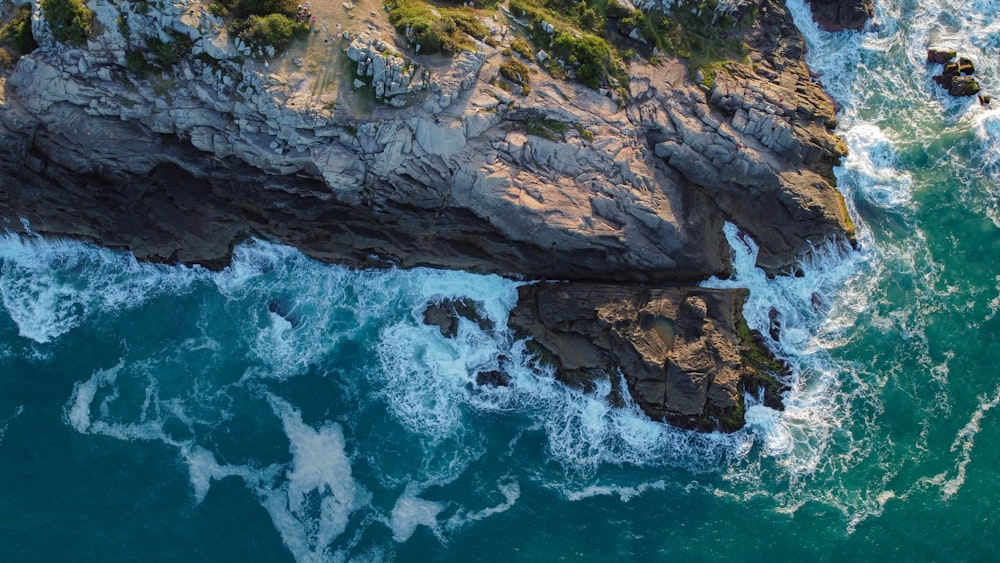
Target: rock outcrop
(677,348)
(838,15)
(564,183)
(956,76)
(384,69)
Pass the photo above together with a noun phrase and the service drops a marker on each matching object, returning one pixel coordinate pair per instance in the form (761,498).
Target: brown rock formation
(678,348)
(838,15)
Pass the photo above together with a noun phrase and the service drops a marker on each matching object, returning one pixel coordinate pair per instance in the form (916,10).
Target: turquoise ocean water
(157,413)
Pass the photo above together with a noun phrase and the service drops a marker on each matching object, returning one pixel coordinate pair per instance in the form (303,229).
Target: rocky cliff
(566,182)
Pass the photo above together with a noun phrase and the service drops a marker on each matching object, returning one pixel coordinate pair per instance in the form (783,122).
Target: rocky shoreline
(623,200)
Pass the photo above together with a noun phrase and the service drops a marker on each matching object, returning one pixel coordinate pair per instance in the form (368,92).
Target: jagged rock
(963,86)
(445,315)
(451,85)
(838,15)
(940,56)
(492,378)
(956,77)
(965,66)
(391,74)
(676,347)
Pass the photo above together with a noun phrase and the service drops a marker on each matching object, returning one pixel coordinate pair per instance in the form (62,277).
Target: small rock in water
(940,56)
(963,86)
(492,378)
(965,66)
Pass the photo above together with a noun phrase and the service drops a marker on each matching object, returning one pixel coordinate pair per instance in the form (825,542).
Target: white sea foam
(203,469)
(986,126)
(312,506)
(511,491)
(77,411)
(798,437)
(873,168)
(964,442)
(6,423)
(424,376)
(834,56)
(624,493)
(412,511)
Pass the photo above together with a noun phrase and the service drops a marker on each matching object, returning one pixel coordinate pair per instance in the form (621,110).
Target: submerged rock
(940,56)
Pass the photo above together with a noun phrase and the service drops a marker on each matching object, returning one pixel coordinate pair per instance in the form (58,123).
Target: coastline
(182,173)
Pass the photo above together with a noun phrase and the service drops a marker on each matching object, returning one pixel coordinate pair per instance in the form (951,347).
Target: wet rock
(965,66)
(963,86)
(955,76)
(492,378)
(774,324)
(445,315)
(940,56)
(284,310)
(838,15)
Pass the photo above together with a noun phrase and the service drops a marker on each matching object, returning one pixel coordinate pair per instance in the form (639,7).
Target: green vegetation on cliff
(276,30)
(436,29)
(158,54)
(16,33)
(260,23)
(588,40)
(69,20)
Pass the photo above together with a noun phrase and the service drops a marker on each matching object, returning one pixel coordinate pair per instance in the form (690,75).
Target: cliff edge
(357,150)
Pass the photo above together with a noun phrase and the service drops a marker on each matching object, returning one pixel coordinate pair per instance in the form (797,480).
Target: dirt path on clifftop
(316,69)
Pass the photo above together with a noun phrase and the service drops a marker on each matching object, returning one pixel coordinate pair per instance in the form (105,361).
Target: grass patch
(7,59)
(436,29)
(158,54)
(276,30)
(576,43)
(523,49)
(515,71)
(69,20)
(695,31)
(136,63)
(552,129)
(166,54)
(592,37)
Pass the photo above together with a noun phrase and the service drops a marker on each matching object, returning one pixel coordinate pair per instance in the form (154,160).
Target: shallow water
(153,412)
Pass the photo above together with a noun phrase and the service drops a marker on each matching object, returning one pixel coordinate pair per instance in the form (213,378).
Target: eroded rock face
(677,347)
(184,165)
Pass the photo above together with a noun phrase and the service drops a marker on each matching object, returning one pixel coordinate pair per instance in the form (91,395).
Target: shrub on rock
(17,32)
(275,30)
(69,20)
